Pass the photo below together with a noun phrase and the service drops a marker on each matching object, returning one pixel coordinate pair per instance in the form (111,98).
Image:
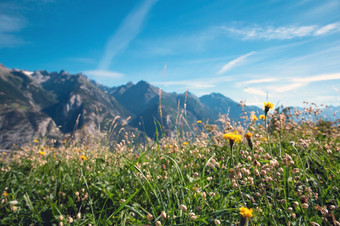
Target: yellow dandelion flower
(268,106)
(5,193)
(42,153)
(35,141)
(83,157)
(253,118)
(245,212)
(185,143)
(199,121)
(233,137)
(262,117)
(248,135)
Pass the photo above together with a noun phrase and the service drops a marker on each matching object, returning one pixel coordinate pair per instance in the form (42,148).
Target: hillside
(54,104)
(22,101)
(179,111)
(43,104)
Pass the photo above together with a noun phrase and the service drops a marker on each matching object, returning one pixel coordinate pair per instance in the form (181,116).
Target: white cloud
(196,83)
(263,80)
(234,63)
(288,84)
(9,27)
(103,73)
(293,86)
(10,24)
(127,31)
(317,78)
(328,28)
(282,32)
(254,91)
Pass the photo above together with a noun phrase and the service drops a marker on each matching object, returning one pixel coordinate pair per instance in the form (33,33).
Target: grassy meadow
(272,170)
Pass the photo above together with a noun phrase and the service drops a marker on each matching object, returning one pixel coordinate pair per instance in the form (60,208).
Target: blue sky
(287,50)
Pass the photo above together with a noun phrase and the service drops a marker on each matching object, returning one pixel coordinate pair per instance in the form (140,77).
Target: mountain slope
(77,97)
(21,104)
(177,109)
(144,101)
(220,104)
(135,98)
(52,104)
(44,104)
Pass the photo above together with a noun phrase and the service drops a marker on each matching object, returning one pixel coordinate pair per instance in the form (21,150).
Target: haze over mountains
(50,104)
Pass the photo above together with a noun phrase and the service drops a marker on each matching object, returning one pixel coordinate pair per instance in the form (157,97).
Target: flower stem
(267,133)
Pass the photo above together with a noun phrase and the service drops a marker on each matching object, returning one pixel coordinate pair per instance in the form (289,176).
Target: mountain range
(54,104)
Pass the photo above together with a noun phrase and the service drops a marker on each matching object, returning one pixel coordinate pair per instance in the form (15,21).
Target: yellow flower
(245,212)
(233,137)
(262,117)
(248,135)
(5,193)
(35,141)
(185,143)
(268,106)
(253,118)
(199,122)
(83,157)
(42,153)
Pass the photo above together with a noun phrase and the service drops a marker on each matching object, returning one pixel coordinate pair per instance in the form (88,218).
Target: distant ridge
(54,104)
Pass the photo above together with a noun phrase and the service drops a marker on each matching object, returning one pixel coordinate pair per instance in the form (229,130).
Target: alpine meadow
(156,112)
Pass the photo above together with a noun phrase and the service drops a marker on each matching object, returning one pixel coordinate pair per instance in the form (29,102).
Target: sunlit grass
(280,173)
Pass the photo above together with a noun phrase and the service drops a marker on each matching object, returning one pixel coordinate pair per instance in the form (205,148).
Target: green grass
(125,185)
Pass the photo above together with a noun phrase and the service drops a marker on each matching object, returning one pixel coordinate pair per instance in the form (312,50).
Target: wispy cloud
(127,31)
(262,80)
(254,91)
(103,73)
(234,63)
(317,78)
(328,28)
(196,83)
(9,27)
(290,87)
(288,84)
(13,19)
(281,32)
